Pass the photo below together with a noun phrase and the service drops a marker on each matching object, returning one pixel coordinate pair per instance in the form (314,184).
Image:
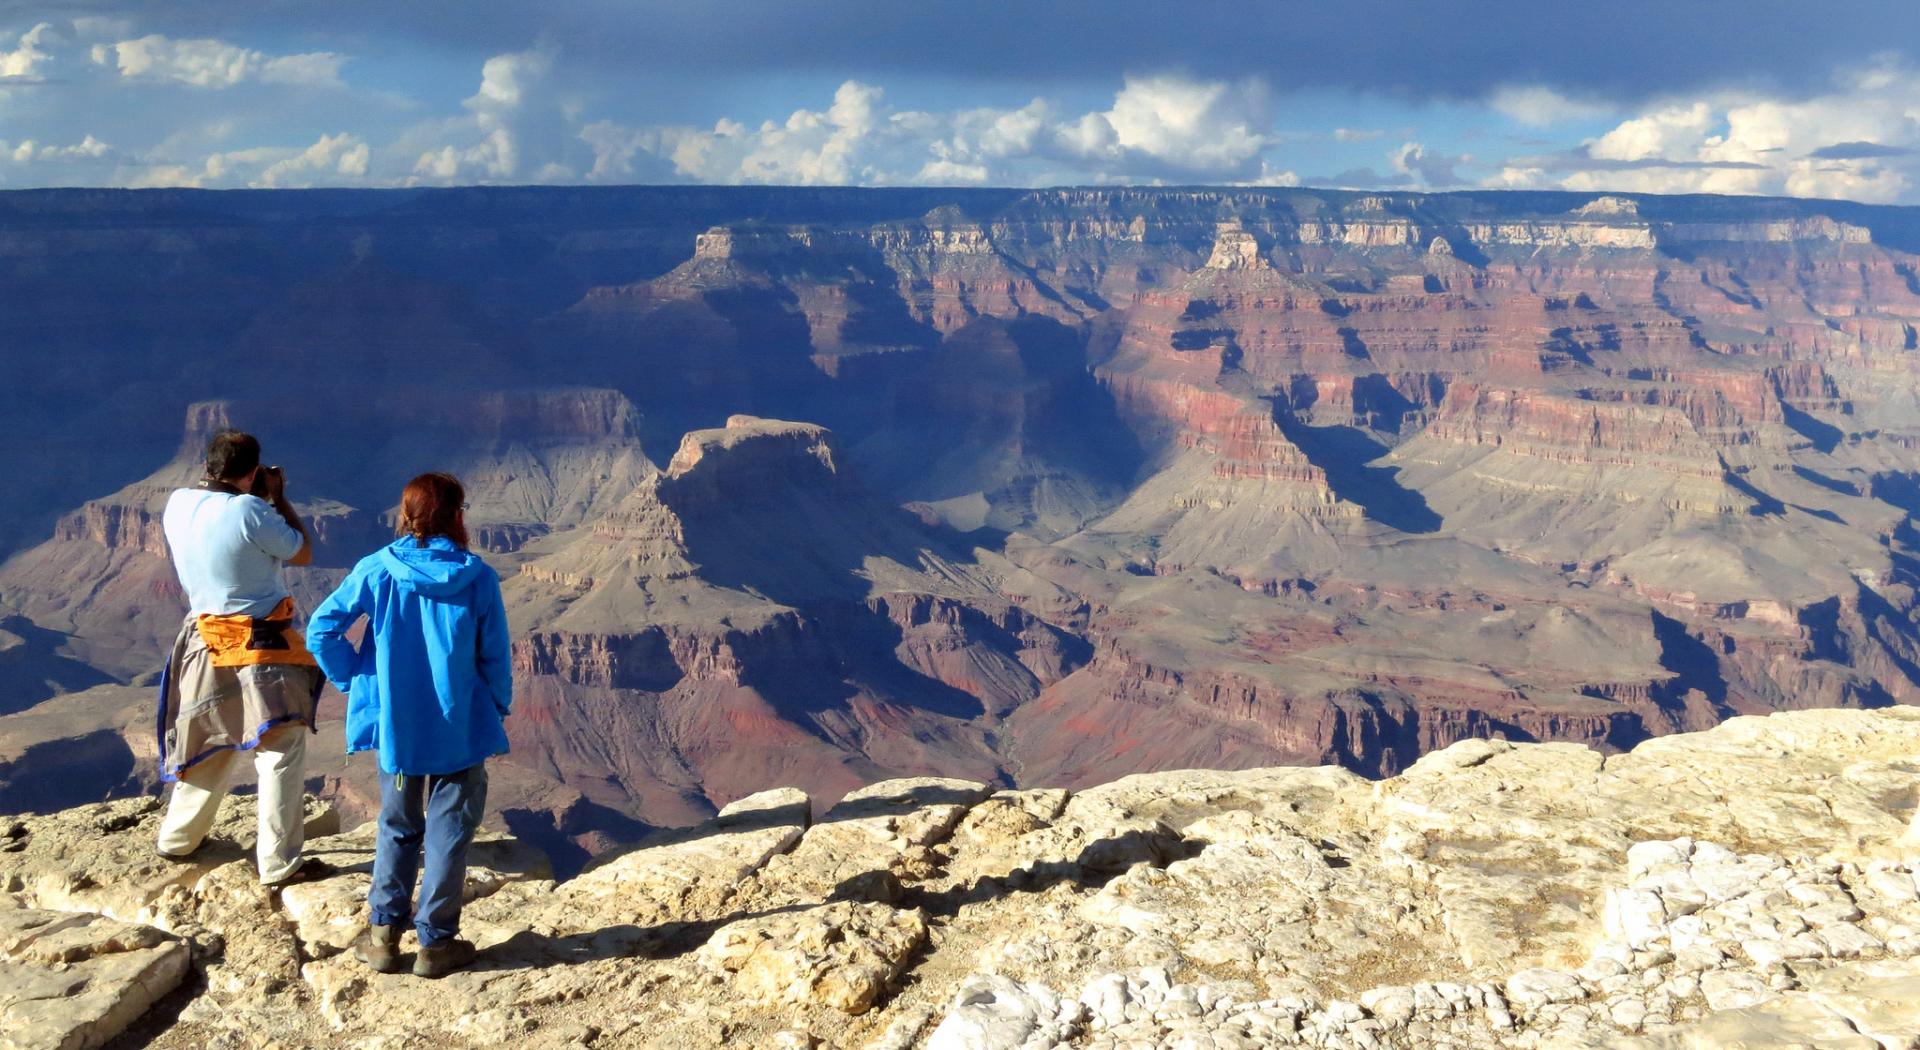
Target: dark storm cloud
(1857,151)
(1621,50)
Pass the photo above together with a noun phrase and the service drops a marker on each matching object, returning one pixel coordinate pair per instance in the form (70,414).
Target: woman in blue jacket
(427,689)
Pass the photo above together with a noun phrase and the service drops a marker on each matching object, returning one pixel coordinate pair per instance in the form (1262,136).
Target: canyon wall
(828,486)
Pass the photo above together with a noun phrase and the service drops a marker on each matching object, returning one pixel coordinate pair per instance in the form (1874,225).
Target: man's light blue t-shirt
(227,550)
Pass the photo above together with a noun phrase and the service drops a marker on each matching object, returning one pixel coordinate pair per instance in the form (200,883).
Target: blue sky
(1698,96)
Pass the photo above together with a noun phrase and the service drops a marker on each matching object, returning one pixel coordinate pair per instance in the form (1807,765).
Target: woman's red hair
(430,506)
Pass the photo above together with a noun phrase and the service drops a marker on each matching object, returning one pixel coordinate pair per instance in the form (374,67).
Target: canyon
(824,488)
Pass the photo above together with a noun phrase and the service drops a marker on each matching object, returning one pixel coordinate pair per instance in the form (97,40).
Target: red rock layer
(1572,430)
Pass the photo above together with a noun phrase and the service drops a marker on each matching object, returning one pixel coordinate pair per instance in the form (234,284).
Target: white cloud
(172,110)
(1271,176)
(1204,127)
(951,173)
(1660,134)
(1860,140)
(215,63)
(1011,133)
(339,155)
(31,152)
(203,104)
(88,148)
(856,139)
(619,153)
(42,163)
(332,160)
(1538,106)
(818,148)
(163,176)
(1664,180)
(521,128)
(1518,177)
(443,163)
(1156,127)
(507,80)
(1425,168)
(29,56)
(50,54)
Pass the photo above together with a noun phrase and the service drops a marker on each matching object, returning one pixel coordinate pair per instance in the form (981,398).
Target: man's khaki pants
(279,761)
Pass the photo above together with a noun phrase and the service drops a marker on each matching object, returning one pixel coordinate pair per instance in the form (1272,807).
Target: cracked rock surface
(1744,886)
(76,979)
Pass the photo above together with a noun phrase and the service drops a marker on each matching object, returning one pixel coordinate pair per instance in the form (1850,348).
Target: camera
(265,482)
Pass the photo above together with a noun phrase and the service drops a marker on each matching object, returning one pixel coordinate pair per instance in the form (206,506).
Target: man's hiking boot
(310,869)
(441,959)
(379,948)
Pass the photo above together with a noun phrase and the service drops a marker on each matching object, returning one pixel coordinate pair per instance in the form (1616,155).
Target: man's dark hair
(232,455)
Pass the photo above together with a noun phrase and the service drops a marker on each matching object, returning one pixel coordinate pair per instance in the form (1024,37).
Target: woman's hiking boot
(379,948)
(439,960)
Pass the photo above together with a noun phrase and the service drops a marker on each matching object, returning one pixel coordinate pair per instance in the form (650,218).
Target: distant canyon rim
(1031,488)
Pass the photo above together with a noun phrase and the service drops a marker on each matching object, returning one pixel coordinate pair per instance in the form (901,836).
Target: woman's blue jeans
(440,813)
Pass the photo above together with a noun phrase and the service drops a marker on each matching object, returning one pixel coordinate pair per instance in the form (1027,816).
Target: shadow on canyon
(1345,454)
(72,771)
(32,668)
(1379,734)
(556,834)
(1694,666)
(1825,436)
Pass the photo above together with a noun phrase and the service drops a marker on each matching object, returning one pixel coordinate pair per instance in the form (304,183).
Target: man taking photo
(239,677)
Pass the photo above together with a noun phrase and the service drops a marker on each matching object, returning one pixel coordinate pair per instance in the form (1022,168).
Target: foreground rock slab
(73,980)
(841,955)
(1744,887)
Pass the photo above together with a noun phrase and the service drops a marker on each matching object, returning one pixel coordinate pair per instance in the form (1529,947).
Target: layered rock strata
(1115,479)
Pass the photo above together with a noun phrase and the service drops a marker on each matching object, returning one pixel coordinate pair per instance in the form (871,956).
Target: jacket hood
(437,570)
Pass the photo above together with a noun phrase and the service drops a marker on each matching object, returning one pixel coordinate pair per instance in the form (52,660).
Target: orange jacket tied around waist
(240,640)
(230,679)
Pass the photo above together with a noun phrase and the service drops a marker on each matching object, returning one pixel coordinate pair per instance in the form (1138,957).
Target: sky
(1778,97)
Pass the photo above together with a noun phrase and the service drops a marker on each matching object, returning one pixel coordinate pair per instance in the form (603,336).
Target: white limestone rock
(74,980)
(1700,890)
(995,1013)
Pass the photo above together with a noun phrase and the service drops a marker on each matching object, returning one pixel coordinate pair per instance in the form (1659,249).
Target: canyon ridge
(823,488)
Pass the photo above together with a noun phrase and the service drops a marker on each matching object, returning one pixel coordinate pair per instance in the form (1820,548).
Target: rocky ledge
(1744,886)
